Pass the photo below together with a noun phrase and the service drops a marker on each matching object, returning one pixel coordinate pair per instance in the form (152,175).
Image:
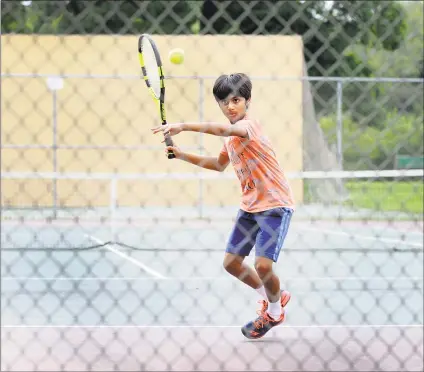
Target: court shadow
(268,340)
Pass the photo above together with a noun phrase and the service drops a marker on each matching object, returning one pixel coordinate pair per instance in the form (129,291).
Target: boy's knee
(232,262)
(263,266)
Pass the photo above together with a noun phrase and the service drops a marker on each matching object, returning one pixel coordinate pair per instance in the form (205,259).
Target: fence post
(54,84)
(339,125)
(201,118)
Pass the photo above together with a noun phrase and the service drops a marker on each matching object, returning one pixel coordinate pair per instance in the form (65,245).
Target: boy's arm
(208,162)
(218,129)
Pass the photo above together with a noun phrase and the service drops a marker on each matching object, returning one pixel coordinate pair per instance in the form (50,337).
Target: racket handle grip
(171,155)
(168,142)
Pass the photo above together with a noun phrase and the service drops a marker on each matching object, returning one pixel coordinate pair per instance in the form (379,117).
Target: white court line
(211,278)
(217,326)
(128,258)
(362,237)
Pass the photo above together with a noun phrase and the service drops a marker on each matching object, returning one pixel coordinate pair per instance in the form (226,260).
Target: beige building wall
(120,112)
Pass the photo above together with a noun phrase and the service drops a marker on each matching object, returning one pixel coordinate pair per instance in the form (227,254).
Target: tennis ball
(176,56)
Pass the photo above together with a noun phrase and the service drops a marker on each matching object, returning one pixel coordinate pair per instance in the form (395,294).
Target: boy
(267,201)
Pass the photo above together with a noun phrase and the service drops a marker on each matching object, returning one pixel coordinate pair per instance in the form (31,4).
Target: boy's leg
(235,266)
(263,266)
(273,228)
(241,242)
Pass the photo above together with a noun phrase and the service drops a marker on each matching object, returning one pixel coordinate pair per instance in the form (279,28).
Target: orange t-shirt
(263,182)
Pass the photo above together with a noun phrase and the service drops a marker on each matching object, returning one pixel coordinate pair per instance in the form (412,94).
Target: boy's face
(234,107)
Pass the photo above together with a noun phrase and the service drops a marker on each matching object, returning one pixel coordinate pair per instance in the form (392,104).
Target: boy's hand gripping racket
(151,66)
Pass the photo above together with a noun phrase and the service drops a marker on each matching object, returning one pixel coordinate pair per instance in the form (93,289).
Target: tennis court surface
(152,295)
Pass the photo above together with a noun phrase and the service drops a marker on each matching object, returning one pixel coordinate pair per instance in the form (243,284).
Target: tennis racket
(151,67)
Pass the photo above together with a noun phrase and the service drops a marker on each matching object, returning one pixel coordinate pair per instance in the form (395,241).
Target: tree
(403,62)
(327,28)
(98,17)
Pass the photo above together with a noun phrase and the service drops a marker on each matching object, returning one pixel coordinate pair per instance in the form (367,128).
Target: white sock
(262,292)
(274,309)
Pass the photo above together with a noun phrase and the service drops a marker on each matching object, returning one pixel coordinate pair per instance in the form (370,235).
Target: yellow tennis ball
(176,56)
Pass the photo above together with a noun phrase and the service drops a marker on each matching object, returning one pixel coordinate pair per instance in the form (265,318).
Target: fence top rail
(395,173)
(205,77)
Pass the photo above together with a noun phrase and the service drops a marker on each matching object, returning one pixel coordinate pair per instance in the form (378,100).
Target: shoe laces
(262,320)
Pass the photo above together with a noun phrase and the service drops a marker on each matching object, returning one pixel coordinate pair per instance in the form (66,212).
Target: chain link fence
(112,255)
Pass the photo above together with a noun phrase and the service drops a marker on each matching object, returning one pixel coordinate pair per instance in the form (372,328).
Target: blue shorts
(265,230)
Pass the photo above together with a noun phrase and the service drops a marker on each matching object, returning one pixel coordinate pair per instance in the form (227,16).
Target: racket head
(151,67)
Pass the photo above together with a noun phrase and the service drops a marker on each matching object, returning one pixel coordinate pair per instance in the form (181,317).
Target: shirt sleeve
(224,150)
(251,130)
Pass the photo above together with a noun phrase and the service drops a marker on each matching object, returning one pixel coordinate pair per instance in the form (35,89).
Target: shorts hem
(269,256)
(236,253)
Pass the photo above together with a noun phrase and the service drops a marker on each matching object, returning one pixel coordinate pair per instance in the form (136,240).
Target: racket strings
(151,67)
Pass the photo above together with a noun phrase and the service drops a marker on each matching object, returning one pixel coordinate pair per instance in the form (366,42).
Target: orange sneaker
(261,325)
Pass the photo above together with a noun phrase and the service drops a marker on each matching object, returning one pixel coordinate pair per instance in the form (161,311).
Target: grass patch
(402,196)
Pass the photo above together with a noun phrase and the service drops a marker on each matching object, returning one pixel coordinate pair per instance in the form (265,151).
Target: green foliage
(99,17)
(327,28)
(406,60)
(367,147)
(367,102)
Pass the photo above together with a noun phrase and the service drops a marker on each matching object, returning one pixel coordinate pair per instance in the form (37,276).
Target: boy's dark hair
(237,84)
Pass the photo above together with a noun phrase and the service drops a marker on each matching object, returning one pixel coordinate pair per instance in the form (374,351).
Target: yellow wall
(120,112)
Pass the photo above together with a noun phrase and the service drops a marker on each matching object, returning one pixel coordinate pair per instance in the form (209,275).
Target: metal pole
(201,118)
(54,147)
(339,129)
(54,84)
(339,132)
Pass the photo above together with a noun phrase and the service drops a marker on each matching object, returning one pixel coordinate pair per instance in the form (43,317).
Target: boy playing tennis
(267,202)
